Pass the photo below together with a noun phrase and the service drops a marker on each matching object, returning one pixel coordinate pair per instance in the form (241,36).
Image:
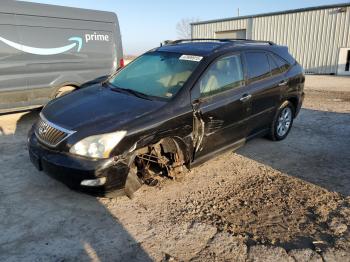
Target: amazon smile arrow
(46,51)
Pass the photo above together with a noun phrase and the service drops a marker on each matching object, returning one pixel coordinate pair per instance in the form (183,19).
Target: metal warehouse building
(318,37)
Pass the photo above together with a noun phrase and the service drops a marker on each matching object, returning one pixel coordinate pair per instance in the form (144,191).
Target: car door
(12,66)
(220,106)
(264,87)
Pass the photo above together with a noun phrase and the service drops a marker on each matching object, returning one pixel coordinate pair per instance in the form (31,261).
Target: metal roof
(274,13)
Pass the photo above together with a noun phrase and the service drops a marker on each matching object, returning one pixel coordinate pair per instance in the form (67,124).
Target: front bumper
(72,170)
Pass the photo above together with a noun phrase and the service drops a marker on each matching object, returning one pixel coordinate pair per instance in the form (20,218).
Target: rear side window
(225,73)
(281,63)
(275,70)
(258,65)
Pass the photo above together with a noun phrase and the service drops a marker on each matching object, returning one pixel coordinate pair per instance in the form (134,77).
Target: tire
(64,91)
(282,122)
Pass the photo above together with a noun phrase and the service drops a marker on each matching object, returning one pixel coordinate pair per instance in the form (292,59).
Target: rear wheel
(282,122)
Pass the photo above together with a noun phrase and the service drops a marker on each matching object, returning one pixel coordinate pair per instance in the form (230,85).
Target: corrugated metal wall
(313,37)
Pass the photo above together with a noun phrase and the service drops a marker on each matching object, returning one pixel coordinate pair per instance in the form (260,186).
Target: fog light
(94,182)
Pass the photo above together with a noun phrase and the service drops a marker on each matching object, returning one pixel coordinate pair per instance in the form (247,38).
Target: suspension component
(163,159)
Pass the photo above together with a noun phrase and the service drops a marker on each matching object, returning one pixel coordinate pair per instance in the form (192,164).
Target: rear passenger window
(258,65)
(275,70)
(226,73)
(281,63)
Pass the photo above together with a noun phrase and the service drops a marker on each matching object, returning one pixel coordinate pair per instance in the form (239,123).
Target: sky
(145,24)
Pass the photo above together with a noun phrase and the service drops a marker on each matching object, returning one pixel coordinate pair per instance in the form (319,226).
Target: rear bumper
(301,100)
(72,170)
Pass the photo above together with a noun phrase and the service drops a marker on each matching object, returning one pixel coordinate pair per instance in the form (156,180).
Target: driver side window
(225,73)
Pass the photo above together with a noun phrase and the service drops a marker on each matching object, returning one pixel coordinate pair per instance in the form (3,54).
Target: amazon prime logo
(96,37)
(77,43)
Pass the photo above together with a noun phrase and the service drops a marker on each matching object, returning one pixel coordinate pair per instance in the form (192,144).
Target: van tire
(64,91)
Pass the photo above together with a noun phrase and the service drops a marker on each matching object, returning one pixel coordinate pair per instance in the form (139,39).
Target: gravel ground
(268,201)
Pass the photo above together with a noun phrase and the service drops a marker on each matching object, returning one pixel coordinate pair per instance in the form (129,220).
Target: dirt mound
(272,209)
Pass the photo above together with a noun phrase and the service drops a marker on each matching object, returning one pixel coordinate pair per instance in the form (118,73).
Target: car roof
(208,47)
(205,47)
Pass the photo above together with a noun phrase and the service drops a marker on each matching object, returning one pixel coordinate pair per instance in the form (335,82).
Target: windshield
(156,74)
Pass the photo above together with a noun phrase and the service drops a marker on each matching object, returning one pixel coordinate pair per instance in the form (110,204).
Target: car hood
(98,106)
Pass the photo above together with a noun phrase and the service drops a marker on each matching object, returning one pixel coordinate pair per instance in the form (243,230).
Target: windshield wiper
(136,93)
(130,91)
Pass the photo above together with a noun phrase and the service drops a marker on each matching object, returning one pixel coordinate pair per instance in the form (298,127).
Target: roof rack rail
(169,42)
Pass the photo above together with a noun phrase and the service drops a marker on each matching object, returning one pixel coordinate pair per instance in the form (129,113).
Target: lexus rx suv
(172,108)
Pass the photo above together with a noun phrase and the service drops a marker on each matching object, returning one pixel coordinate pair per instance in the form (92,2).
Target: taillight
(121,63)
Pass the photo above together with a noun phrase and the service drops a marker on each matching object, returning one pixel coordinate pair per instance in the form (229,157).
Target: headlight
(99,146)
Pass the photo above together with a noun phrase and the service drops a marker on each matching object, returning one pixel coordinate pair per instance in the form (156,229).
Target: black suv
(177,105)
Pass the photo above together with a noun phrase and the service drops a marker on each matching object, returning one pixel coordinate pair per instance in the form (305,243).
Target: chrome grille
(49,133)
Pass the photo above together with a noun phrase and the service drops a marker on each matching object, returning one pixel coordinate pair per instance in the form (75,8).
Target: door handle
(245,98)
(283,83)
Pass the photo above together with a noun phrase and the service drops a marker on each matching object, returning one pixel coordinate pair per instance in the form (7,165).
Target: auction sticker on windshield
(191,58)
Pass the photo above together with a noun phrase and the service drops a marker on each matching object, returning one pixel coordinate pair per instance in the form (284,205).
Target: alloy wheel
(284,121)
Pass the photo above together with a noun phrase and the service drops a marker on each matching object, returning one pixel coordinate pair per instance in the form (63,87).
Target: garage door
(231,34)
